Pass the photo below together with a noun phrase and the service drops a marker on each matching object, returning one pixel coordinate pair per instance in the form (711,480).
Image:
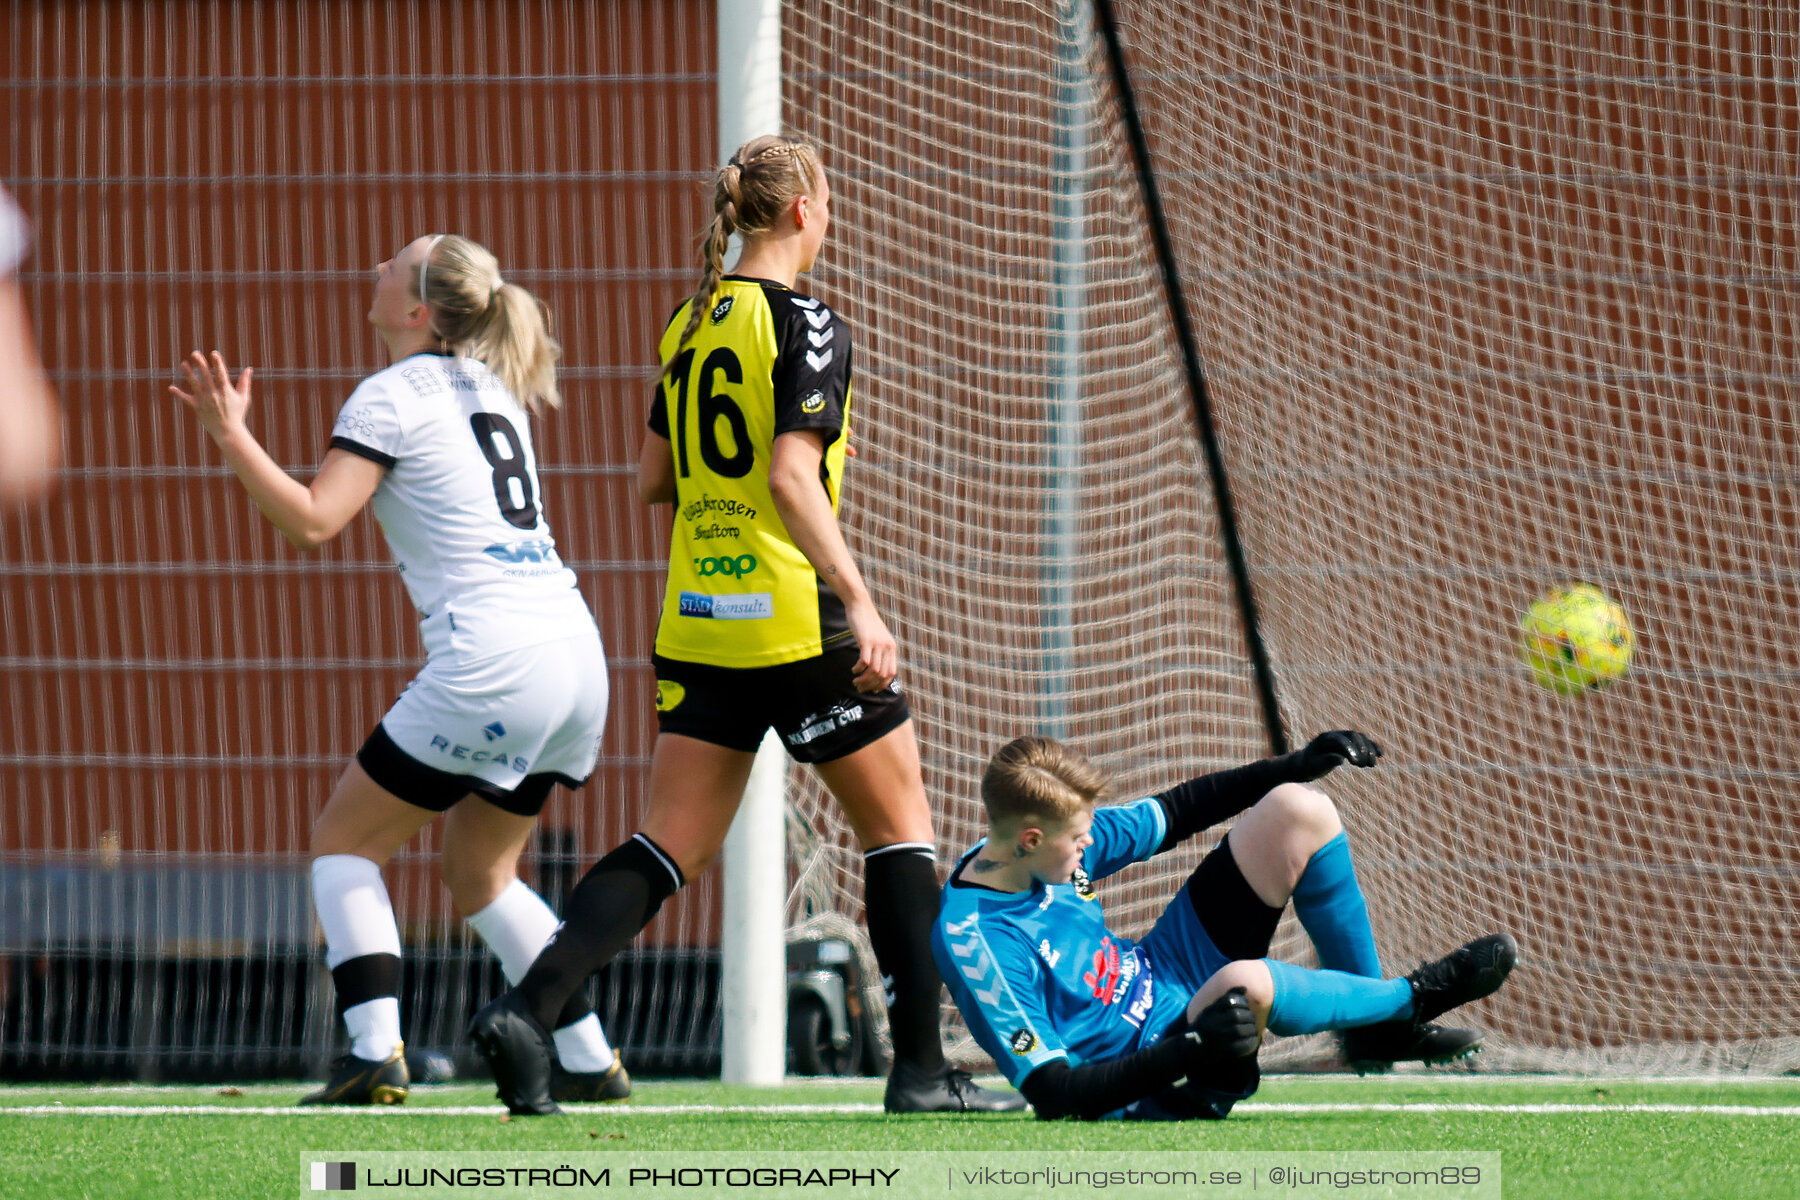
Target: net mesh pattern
(1487,303)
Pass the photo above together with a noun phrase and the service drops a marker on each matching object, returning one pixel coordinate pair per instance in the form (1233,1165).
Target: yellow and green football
(1576,639)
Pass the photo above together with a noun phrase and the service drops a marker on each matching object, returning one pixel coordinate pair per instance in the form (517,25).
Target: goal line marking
(657,1110)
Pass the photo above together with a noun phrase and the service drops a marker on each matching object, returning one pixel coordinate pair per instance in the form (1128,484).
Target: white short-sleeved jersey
(13,236)
(461,506)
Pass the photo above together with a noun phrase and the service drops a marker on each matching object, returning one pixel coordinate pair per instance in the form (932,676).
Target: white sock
(515,927)
(374,1028)
(354,910)
(358,919)
(582,1046)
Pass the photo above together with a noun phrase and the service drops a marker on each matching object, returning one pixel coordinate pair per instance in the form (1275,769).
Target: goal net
(1487,302)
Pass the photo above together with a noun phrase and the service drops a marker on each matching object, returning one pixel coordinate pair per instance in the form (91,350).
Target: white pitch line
(654,1110)
(1403,1077)
(1301,1082)
(1720,1110)
(429,1110)
(473,1086)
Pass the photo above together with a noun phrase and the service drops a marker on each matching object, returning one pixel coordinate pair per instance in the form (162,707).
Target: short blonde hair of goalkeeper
(477,314)
(1039,781)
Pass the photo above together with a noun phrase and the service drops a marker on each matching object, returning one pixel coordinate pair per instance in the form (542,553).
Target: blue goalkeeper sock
(1314,1001)
(1329,903)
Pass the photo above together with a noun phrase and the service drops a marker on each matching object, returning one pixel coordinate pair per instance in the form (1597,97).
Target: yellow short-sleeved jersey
(764,361)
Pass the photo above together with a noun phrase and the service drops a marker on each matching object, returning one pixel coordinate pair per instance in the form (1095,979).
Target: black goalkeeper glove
(1225,1031)
(1329,751)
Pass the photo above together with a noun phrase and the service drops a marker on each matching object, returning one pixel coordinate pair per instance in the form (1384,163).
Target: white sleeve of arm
(369,425)
(15,238)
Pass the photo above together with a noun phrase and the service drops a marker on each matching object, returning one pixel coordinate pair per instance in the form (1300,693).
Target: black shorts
(812,704)
(425,786)
(1233,915)
(1216,918)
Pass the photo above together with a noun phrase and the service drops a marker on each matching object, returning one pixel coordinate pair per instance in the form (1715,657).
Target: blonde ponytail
(481,316)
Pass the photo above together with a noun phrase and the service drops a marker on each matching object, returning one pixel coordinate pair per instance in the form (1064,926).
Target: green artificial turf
(1617,1151)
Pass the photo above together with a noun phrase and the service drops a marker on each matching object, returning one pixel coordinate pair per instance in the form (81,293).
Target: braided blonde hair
(756,186)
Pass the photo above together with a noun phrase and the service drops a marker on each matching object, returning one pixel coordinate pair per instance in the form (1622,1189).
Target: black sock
(576,1007)
(613,901)
(900,901)
(365,978)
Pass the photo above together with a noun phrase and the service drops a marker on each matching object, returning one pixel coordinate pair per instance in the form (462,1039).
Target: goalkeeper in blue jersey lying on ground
(1089,1024)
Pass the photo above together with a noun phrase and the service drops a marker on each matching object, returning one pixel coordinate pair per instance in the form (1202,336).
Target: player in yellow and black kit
(741,594)
(765,622)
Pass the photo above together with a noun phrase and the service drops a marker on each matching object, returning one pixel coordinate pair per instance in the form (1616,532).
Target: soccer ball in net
(1576,639)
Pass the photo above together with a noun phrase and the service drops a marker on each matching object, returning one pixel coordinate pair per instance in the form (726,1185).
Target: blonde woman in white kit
(513,696)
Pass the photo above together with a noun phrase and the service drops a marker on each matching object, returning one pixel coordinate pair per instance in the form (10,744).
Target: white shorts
(506,726)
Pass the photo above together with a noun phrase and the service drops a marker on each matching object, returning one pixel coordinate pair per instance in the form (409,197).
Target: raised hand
(213,398)
(1329,751)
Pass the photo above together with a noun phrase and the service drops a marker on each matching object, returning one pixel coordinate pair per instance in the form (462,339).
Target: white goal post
(753,992)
